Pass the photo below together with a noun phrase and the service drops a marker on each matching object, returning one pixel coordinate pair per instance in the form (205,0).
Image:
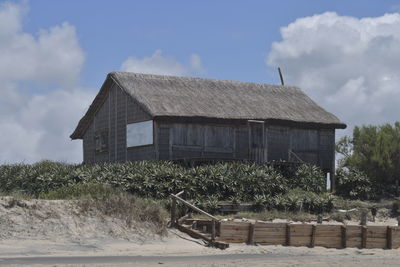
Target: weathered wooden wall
(213,141)
(117,111)
(316,146)
(198,140)
(179,141)
(330,236)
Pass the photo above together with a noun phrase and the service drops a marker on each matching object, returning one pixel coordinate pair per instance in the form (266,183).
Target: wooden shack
(155,117)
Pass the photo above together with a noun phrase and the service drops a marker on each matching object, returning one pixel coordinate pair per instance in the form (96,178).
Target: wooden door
(257,141)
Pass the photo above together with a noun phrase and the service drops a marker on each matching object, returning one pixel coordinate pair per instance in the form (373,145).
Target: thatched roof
(169,96)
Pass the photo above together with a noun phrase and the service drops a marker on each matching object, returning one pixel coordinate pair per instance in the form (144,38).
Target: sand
(180,250)
(54,233)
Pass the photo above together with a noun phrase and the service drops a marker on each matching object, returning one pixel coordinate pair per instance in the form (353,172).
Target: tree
(375,151)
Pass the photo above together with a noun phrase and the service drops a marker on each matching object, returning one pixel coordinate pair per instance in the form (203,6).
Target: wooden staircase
(207,230)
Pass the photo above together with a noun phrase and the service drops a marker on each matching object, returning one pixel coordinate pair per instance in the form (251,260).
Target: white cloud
(163,65)
(35,124)
(350,66)
(196,63)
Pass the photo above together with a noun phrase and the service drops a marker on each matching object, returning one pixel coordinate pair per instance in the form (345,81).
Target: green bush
(309,178)
(259,203)
(395,208)
(157,180)
(299,200)
(354,184)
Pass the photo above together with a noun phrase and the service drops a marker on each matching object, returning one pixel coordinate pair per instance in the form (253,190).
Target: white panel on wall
(139,133)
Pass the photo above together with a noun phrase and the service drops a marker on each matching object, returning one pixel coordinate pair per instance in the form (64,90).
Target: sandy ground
(55,233)
(179,250)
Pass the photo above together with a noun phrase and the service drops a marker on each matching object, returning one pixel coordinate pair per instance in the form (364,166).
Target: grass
(111,202)
(104,199)
(81,191)
(267,216)
(275,214)
(17,194)
(383,207)
(131,209)
(99,199)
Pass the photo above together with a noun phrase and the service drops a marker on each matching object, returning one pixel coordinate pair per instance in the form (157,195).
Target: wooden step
(198,235)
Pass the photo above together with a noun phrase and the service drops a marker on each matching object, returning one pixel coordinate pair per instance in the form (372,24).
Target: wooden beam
(364,236)
(193,233)
(313,230)
(196,234)
(180,193)
(183,218)
(363,217)
(288,234)
(173,212)
(344,236)
(250,240)
(213,231)
(389,237)
(194,207)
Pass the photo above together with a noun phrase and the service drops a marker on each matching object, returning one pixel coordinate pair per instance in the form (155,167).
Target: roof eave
(204,119)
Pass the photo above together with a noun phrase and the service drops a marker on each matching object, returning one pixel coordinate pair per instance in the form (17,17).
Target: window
(101,141)
(139,134)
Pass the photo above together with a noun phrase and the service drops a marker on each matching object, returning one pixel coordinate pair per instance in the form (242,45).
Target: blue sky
(55,55)
(232,37)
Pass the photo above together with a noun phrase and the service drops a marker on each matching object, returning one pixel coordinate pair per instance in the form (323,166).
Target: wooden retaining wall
(330,236)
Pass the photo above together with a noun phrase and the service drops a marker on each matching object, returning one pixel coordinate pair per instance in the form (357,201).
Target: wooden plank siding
(329,236)
(181,141)
(115,113)
(195,140)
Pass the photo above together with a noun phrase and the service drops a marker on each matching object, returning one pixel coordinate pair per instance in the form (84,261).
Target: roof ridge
(168,77)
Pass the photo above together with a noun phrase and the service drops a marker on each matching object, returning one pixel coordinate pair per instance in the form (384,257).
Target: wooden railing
(291,153)
(174,218)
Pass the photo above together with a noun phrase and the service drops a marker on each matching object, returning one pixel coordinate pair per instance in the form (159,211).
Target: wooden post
(173,212)
(389,237)
(314,229)
(287,234)
(173,208)
(363,218)
(374,211)
(364,236)
(344,236)
(213,231)
(250,239)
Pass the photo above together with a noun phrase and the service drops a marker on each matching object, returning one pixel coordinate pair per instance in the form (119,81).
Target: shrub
(158,179)
(309,178)
(235,200)
(354,184)
(259,203)
(396,208)
(299,200)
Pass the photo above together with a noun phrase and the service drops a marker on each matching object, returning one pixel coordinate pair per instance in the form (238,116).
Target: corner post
(173,212)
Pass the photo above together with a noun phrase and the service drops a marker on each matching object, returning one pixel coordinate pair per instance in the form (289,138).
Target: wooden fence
(330,236)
